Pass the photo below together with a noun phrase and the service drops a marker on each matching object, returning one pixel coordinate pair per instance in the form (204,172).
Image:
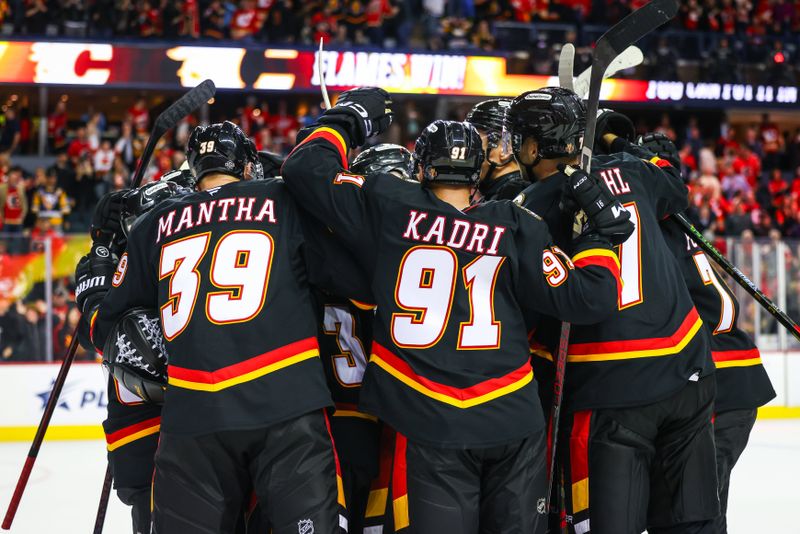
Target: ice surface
(65,485)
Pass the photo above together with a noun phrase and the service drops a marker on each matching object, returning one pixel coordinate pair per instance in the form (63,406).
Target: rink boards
(25,388)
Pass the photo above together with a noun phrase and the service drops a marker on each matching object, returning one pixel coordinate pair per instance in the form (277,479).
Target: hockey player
(243,406)
(449,368)
(639,395)
(742,382)
(500,174)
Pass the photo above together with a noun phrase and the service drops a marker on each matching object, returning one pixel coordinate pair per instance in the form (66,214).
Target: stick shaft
(102,506)
(49,408)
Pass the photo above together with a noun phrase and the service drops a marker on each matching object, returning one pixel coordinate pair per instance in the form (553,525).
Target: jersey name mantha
(215,211)
(467,235)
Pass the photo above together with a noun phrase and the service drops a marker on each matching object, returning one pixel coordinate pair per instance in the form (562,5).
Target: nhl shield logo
(540,506)
(229,165)
(305,526)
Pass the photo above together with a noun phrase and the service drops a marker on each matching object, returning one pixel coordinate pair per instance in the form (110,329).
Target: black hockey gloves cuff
(364,112)
(93,276)
(604,212)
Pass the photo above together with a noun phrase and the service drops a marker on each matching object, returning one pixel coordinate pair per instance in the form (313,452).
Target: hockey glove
(604,213)
(363,113)
(660,145)
(106,220)
(93,276)
(612,122)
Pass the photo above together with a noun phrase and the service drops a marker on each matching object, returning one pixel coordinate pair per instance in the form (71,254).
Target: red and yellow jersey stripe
(330,135)
(601,257)
(638,348)
(736,358)
(245,371)
(132,433)
(459,397)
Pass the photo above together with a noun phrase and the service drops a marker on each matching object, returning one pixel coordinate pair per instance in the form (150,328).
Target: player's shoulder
(389,187)
(509,213)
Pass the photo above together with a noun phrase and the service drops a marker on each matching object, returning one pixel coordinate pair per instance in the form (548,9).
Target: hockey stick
(102,506)
(737,275)
(33,452)
(322,87)
(168,119)
(630,57)
(566,67)
(625,33)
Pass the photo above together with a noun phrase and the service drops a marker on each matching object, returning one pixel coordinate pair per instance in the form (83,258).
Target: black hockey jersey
(654,342)
(742,381)
(449,364)
(225,267)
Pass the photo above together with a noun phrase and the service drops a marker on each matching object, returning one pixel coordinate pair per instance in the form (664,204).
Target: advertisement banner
(25,389)
(160,66)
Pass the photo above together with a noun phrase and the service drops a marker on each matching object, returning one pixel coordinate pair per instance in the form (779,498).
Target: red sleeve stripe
(459,397)
(638,348)
(333,137)
(736,358)
(658,162)
(245,371)
(131,433)
(601,258)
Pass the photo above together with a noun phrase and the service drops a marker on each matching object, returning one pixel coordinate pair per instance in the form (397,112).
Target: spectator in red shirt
(149,20)
(777,187)
(377,10)
(747,163)
(139,115)
(245,22)
(771,141)
(79,149)
(284,126)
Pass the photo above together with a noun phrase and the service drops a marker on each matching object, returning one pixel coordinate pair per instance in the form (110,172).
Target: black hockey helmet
(489,116)
(555,117)
(385,158)
(136,356)
(221,147)
(139,201)
(449,152)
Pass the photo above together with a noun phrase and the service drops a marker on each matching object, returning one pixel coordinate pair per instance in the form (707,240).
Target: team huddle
(368,346)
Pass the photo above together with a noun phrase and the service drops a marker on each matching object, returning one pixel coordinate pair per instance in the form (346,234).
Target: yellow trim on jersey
(596,252)
(376,502)
(247,377)
(646,353)
(133,437)
(354,413)
(738,363)
(580,495)
(469,403)
(400,508)
(334,133)
(363,305)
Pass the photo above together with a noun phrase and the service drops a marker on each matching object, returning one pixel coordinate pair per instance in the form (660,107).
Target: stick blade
(196,97)
(566,62)
(635,26)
